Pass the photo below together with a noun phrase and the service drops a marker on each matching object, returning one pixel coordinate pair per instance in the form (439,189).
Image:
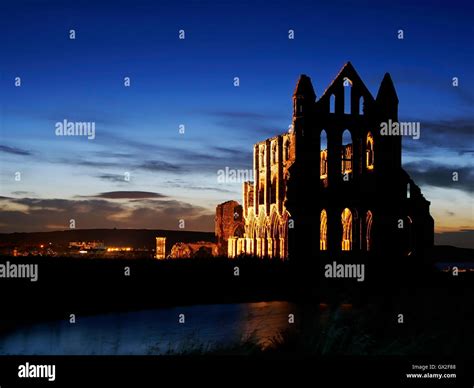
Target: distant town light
(119,249)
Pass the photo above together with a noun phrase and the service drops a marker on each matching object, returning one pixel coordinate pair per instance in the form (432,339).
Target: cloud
(173,158)
(208,188)
(118,178)
(260,125)
(257,128)
(113,140)
(209,160)
(129,195)
(22,193)
(240,115)
(159,165)
(52,114)
(115,153)
(426,79)
(80,161)
(111,154)
(183,185)
(54,214)
(230,151)
(455,127)
(426,172)
(454,134)
(101,163)
(203,159)
(465,95)
(14,150)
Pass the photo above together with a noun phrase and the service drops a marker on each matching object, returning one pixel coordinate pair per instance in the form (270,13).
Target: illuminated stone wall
(160,252)
(228,223)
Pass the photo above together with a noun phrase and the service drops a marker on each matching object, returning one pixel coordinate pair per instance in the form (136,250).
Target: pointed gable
(336,87)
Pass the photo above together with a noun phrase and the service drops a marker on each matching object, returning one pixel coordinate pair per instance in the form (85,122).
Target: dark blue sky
(190,82)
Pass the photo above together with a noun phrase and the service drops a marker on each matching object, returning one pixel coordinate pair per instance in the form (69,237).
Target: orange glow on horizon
(119,249)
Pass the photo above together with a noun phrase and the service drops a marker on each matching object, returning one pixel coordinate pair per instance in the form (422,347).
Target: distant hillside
(145,238)
(136,238)
(447,253)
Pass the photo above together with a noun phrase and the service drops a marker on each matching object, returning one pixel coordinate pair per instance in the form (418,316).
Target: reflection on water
(153,331)
(265,320)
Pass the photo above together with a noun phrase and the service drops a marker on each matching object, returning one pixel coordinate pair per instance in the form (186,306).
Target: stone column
(270,247)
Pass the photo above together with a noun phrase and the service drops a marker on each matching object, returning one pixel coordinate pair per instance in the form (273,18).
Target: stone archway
(347,226)
(274,235)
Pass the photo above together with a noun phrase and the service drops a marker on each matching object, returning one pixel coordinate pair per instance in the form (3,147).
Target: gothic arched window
(286,150)
(346,220)
(274,152)
(273,190)
(347,95)
(323,231)
(323,166)
(261,157)
(368,230)
(369,153)
(346,162)
(332,103)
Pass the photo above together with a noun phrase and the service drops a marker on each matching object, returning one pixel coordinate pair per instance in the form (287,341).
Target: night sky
(190,82)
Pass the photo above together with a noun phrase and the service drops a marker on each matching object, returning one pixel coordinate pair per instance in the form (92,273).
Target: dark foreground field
(437,307)
(336,322)
(90,286)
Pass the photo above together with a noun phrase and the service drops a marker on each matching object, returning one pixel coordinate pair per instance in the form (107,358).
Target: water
(152,331)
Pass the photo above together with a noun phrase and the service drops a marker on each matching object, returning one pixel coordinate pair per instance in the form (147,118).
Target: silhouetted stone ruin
(335,175)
